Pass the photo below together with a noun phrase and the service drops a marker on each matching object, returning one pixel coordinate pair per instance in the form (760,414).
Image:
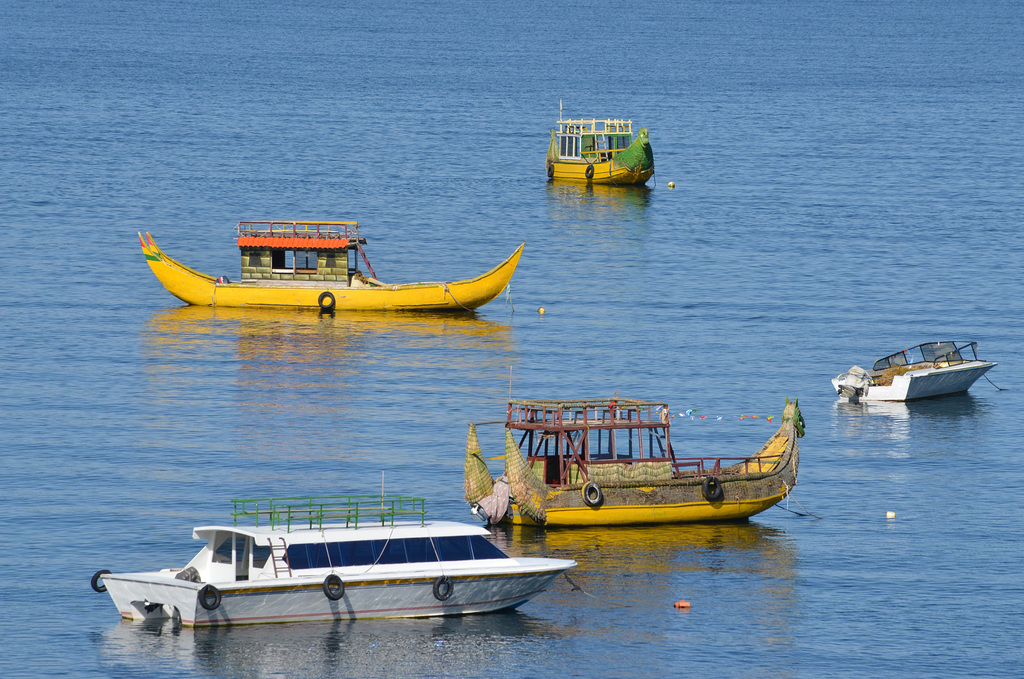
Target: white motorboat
(929,369)
(332,558)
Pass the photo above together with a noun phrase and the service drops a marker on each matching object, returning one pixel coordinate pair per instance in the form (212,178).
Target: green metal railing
(314,512)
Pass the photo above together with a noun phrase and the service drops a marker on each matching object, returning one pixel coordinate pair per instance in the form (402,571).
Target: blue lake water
(848,183)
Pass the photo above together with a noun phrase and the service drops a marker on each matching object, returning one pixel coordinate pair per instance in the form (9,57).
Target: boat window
(222,547)
(419,550)
(369,552)
(321,556)
(569,146)
(260,554)
(305,261)
(357,553)
(454,548)
(390,551)
(288,261)
(298,557)
(483,549)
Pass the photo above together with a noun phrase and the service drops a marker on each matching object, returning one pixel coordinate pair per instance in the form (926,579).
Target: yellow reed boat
(315,265)
(600,152)
(601,462)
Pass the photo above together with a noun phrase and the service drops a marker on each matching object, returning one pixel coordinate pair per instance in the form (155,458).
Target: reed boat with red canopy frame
(611,462)
(599,151)
(315,265)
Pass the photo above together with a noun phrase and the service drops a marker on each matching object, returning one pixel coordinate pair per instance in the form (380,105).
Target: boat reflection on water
(295,330)
(574,203)
(662,549)
(904,420)
(455,646)
(279,386)
(631,573)
(335,343)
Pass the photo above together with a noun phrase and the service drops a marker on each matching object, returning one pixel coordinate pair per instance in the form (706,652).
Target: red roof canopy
(293,243)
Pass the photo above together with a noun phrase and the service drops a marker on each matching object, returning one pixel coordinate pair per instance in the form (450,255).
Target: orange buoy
(682,603)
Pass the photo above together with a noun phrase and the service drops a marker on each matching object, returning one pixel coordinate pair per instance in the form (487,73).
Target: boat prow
(314,265)
(185,283)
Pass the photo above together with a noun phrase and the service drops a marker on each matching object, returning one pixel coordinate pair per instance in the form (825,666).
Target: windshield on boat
(930,352)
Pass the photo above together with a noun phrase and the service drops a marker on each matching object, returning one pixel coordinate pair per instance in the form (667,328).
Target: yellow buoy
(671,185)
(540,310)
(890,515)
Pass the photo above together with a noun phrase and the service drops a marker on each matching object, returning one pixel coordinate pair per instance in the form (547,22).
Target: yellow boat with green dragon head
(315,265)
(600,152)
(601,462)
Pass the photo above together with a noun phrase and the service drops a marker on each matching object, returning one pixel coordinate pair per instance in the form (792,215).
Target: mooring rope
(456,301)
(789,494)
(577,588)
(993,384)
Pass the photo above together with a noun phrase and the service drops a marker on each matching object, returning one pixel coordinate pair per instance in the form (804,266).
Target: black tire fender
(593,496)
(209,597)
(96,578)
(712,489)
(334,587)
(589,172)
(326,301)
(551,170)
(443,588)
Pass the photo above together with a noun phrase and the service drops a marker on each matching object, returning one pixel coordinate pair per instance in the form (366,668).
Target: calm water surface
(848,182)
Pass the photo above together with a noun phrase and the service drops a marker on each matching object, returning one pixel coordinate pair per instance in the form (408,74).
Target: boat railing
(712,466)
(590,126)
(610,413)
(299,229)
(314,512)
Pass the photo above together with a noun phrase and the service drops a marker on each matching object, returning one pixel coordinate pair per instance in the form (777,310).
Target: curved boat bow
(355,292)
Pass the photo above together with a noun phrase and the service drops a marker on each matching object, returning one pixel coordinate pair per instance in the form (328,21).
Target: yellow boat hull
(626,515)
(602,173)
(199,289)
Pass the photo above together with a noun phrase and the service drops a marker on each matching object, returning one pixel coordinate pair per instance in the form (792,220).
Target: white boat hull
(919,384)
(511,582)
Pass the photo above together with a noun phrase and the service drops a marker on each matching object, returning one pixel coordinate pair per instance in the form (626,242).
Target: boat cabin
(592,140)
(303,251)
(567,442)
(302,535)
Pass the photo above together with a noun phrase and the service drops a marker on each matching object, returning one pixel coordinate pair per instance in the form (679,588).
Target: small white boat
(332,558)
(929,369)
